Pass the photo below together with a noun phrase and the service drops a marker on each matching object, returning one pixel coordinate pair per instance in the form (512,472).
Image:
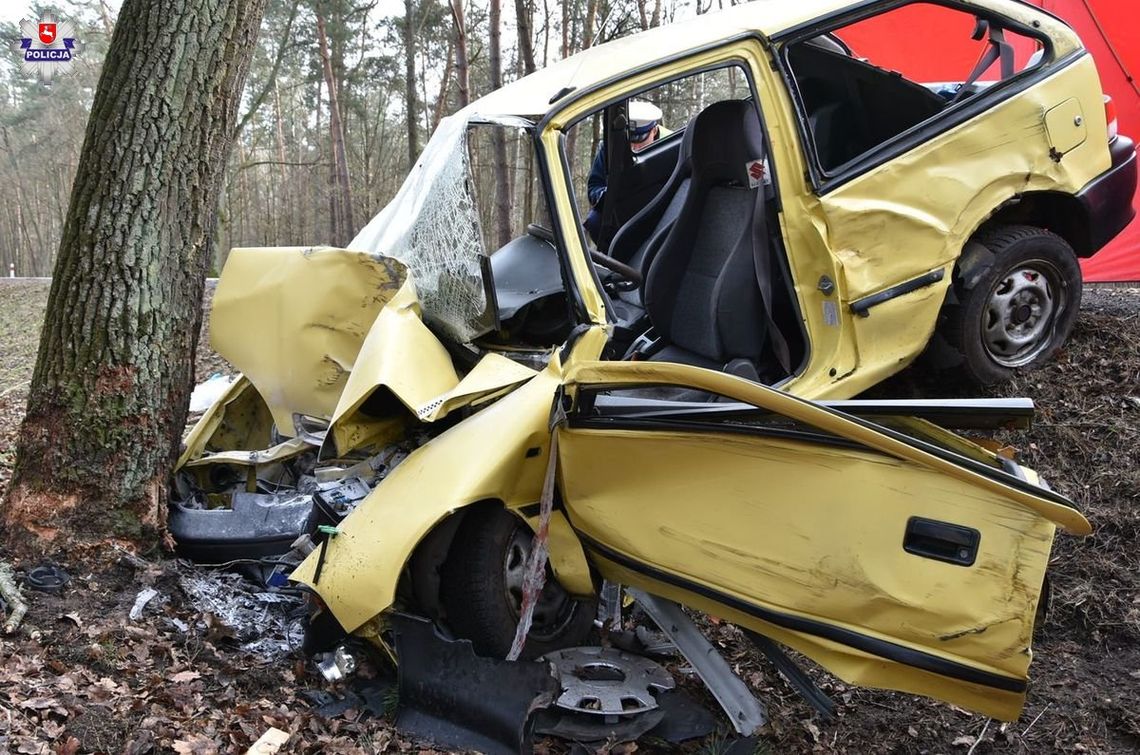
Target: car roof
(530,96)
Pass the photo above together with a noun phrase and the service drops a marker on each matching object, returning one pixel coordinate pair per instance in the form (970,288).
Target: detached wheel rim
(554,609)
(1020,317)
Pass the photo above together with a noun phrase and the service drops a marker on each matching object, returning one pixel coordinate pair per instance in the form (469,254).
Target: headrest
(726,141)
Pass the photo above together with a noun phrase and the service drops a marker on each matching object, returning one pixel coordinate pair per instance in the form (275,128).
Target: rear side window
(867,82)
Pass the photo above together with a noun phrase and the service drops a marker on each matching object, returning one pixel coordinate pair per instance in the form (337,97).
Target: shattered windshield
(467,194)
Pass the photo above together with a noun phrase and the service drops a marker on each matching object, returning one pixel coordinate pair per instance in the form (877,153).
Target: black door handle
(941,541)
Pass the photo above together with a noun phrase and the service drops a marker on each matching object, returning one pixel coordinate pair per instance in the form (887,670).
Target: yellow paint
(482,458)
(806,530)
(292,319)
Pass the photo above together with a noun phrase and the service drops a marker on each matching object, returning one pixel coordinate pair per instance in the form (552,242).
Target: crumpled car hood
(336,335)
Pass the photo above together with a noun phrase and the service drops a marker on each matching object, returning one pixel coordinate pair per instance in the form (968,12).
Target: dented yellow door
(892,566)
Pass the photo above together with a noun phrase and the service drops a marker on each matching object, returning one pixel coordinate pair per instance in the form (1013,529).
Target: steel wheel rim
(554,608)
(1020,317)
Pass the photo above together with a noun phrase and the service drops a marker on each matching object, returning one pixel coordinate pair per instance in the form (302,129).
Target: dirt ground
(82,676)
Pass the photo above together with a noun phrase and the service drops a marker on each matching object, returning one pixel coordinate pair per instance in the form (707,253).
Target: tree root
(11,594)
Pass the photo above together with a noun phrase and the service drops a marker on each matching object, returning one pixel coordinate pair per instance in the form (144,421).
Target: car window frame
(620,89)
(823,180)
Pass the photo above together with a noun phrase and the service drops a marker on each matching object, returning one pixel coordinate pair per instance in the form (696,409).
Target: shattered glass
(432,226)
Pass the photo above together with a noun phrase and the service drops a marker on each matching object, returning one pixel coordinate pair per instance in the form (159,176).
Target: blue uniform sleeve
(596,184)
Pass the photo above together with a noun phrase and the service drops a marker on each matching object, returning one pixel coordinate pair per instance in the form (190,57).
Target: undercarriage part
(337,665)
(608,682)
(256,525)
(456,699)
(746,713)
(801,682)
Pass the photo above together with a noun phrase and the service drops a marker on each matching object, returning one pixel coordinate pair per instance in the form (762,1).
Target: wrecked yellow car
(471,377)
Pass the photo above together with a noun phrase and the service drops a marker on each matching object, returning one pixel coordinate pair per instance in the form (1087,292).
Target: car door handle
(941,541)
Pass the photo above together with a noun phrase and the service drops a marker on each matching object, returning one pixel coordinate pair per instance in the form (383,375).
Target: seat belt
(997,48)
(762,263)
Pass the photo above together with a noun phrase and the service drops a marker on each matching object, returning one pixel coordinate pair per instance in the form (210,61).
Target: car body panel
(803,538)
(292,319)
(797,537)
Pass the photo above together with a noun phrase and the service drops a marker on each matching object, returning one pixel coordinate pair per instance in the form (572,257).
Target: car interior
(681,271)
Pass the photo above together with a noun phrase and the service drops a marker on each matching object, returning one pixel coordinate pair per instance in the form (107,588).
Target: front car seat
(701,291)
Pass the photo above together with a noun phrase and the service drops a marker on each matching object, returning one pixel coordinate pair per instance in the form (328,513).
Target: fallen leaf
(185,676)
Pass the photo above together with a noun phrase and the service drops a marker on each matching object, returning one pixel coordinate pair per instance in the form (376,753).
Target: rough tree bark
(502,180)
(525,22)
(109,395)
(410,81)
(341,228)
(462,74)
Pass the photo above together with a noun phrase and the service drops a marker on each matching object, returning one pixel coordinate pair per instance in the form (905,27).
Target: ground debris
(96,682)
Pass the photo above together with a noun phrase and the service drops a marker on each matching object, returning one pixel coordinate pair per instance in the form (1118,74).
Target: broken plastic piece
(256,525)
(47,578)
(454,698)
(145,596)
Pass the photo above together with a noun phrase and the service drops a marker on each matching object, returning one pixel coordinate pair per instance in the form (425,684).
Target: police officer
(644,128)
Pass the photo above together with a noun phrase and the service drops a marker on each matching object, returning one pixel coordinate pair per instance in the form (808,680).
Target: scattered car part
(47,578)
(609,605)
(747,714)
(256,524)
(801,682)
(454,698)
(145,596)
(337,665)
(607,682)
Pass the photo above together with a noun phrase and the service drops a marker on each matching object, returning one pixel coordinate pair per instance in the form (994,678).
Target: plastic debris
(205,394)
(263,622)
(144,597)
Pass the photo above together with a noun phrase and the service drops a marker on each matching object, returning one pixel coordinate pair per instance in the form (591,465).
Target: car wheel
(1015,306)
(481,590)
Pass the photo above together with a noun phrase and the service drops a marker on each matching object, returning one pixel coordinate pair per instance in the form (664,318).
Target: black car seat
(636,243)
(701,291)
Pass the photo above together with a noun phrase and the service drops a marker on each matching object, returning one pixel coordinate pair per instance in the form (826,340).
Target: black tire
(480,593)
(1015,299)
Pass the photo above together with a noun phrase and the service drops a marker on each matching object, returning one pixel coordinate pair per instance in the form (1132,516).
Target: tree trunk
(462,69)
(108,399)
(502,181)
(410,82)
(444,86)
(340,195)
(525,25)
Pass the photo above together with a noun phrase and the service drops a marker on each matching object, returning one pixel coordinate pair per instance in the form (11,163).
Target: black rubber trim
(997,475)
(1107,199)
(891,651)
(782,433)
(824,181)
(861,306)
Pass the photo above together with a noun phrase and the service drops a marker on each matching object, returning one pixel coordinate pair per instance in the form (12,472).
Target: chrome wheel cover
(1020,316)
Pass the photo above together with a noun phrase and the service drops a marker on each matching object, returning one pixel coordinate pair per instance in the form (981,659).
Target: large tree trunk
(502,180)
(410,82)
(340,191)
(524,19)
(462,74)
(108,399)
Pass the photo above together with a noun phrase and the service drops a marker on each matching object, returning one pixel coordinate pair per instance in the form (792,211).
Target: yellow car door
(891,560)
